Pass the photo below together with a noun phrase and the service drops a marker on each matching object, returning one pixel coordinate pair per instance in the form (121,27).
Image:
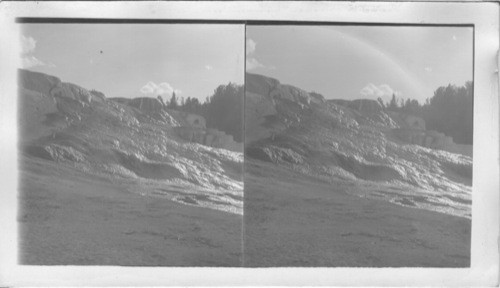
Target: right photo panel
(358,146)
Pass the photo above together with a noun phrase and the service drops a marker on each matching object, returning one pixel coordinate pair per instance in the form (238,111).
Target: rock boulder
(147,105)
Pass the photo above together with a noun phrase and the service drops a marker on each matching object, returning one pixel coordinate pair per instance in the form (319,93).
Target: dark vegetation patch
(145,169)
(405,201)
(462,170)
(457,199)
(37,151)
(365,171)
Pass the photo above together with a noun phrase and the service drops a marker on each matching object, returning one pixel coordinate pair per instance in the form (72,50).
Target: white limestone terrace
(359,142)
(128,141)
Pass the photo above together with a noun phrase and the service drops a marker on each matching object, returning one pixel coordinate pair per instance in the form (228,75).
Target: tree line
(449,110)
(223,110)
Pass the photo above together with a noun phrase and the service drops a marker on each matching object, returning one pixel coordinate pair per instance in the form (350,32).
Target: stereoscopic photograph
(206,143)
(131,144)
(291,146)
(358,146)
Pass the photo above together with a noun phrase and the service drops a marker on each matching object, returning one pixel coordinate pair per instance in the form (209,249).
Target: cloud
(373,91)
(428,69)
(454,38)
(250,46)
(28,45)
(251,61)
(208,67)
(31,61)
(163,89)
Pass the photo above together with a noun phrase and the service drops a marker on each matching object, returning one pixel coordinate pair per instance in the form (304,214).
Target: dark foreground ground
(68,218)
(292,220)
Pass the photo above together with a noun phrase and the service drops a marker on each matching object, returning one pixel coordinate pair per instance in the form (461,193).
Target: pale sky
(132,60)
(350,62)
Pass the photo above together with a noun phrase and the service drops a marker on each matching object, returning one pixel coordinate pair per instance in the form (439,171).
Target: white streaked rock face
(355,140)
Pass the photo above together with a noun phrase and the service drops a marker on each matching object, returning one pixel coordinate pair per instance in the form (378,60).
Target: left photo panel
(131,144)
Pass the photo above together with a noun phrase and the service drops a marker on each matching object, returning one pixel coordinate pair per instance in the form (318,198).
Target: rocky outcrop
(431,139)
(52,86)
(294,94)
(37,107)
(193,130)
(412,130)
(263,96)
(272,88)
(74,92)
(364,112)
(274,154)
(39,82)
(49,104)
(258,108)
(318,97)
(409,121)
(414,122)
(98,94)
(120,139)
(359,142)
(196,121)
(259,84)
(366,106)
(188,126)
(147,105)
(209,137)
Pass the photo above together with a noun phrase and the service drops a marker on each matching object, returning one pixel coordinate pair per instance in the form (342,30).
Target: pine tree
(393,105)
(173,102)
